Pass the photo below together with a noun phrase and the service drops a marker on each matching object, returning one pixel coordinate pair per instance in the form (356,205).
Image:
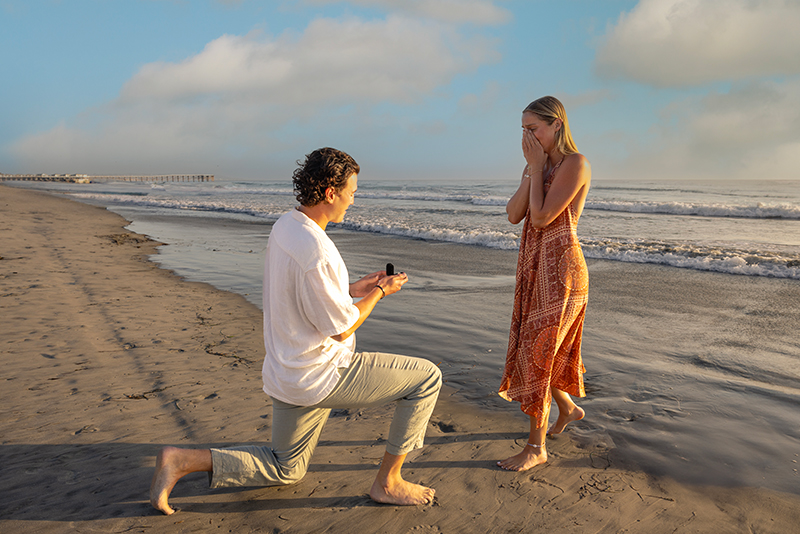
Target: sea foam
(756,211)
(464,229)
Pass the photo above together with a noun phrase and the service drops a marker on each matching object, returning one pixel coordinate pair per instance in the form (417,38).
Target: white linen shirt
(306,301)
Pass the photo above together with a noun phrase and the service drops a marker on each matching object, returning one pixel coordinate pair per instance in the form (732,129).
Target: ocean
(690,342)
(746,228)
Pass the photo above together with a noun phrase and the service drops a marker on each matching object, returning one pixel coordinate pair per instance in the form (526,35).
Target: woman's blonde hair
(549,108)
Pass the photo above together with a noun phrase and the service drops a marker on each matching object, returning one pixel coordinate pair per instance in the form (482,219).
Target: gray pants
(373,379)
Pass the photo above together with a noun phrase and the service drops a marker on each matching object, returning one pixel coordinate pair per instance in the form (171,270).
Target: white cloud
(236,96)
(587,98)
(333,61)
(751,132)
(482,12)
(674,43)
(482,102)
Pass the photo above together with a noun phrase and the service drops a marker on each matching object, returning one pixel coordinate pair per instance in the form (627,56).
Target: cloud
(246,95)
(480,12)
(587,98)
(750,132)
(333,61)
(482,102)
(678,43)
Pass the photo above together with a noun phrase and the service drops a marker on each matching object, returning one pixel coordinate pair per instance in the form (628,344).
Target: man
(310,365)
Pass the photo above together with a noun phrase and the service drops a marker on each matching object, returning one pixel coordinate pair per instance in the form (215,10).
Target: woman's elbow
(514,218)
(514,215)
(539,222)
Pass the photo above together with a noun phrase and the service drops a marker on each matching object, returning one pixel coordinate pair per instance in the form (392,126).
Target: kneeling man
(310,365)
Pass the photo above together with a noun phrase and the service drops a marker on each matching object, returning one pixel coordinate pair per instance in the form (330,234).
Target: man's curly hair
(323,168)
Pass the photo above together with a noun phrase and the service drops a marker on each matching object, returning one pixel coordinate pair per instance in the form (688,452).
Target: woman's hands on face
(533,151)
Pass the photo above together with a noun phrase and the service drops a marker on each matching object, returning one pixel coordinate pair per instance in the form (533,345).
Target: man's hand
(392,284)
(365,285)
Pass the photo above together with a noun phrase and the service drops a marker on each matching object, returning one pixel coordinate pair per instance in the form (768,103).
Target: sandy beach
(107,357)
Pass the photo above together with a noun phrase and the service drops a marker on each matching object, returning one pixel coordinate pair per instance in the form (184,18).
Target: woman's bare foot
(171,465)
(564,419)
(401,492)
(529,457)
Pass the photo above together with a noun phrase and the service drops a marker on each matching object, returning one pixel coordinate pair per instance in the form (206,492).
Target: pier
(85,178)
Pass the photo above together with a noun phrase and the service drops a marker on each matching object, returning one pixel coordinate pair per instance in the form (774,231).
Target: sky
(412,89)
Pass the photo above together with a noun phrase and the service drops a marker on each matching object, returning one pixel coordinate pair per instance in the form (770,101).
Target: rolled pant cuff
(401,450)
(228,469)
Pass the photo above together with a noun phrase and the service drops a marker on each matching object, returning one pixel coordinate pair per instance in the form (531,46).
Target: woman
(544,347)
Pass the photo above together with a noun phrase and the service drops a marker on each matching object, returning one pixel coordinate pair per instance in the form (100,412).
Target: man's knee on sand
(283,476)
(254,466)
(293,474)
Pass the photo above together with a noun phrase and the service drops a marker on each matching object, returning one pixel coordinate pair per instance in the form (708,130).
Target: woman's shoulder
(576,159)
(577,163)
(576,169)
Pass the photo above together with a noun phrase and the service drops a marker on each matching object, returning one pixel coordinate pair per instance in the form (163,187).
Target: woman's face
(545,133)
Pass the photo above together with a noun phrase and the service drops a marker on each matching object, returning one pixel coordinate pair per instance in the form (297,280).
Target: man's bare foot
(529,457)
(401,493)
(171,465)
(164,479)
(566,418)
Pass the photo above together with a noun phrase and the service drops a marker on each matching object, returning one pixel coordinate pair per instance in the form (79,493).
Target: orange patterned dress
(544,346)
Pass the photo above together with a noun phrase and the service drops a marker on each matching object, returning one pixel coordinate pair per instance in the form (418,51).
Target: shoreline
(685,367)
(108,357)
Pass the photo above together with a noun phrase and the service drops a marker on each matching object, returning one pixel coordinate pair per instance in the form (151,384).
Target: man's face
(344,199)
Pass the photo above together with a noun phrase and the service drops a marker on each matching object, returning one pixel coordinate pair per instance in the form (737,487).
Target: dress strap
(553,171)
(557,165)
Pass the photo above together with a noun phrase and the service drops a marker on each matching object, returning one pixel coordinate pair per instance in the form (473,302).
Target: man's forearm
(365,307)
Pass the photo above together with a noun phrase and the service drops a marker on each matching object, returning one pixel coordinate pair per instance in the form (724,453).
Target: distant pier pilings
(85,178)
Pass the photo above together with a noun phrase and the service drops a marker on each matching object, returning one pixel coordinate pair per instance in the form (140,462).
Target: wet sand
(106,358)
(693,375)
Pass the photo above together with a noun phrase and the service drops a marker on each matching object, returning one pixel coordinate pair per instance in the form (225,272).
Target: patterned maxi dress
(544,346)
